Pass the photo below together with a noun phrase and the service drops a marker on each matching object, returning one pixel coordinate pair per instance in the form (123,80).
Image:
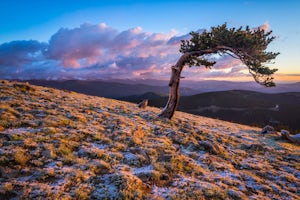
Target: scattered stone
(292,138)
(136,160)
(151,176)
(211,147)
(100,167)
(165,158)
(255,147)
(267,130)
(143,104)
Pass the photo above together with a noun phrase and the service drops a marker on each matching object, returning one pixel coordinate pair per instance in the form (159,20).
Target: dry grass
(21,156)
(64,145)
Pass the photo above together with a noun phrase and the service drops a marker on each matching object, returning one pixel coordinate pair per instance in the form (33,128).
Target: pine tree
(248,45)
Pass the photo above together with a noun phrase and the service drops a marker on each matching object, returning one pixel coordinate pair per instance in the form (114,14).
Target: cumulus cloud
(80,46)
(20,53)
(99,51)
(226,62)
(265,26)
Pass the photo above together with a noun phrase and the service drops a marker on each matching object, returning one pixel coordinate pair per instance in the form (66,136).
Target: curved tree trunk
(173,101)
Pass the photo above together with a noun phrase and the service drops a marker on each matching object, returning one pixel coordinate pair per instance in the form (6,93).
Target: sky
(135,39)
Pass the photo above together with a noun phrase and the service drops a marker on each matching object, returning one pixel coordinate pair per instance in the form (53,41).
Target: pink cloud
(265,26)
(226,62)
(100,51)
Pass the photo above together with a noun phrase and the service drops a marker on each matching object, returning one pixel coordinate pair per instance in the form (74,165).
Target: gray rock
(292,138)
(211,147)
(267,130)
(284,132)
(143,104)
(255,147)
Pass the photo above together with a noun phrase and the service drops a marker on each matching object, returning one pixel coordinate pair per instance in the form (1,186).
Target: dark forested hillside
(280,110)
(108,89)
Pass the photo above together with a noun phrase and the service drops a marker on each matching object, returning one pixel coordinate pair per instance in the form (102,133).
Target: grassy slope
(56,144)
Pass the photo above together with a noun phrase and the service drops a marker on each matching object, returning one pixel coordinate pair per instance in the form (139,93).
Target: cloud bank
(102,52)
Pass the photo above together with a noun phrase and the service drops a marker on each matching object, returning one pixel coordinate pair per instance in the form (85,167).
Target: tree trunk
(173,101)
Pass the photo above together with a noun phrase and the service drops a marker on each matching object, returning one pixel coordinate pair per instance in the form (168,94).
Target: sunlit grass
(64,145)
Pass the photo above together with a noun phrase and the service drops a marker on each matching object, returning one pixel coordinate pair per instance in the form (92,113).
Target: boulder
(292,138)
(267,130)
(143,104)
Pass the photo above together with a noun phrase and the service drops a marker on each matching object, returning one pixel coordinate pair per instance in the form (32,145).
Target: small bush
(8,187)
(23,87)
(21,156)
(83,191)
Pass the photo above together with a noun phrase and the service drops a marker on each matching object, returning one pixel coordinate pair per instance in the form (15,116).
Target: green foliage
(248,45)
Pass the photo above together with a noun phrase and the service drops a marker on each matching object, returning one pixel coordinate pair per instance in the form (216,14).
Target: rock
(267,130)
(143,104)
(149,176)
(284,133)
(292,138)
(211,147)
(136,160)
(100,167)
(165,158)
(255,147)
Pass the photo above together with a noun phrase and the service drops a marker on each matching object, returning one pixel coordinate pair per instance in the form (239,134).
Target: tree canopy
(248,45)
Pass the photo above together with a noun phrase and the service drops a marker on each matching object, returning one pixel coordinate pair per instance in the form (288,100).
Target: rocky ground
(64,145)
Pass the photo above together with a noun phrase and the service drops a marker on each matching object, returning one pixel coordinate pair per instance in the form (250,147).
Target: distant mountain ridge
(117,88)
(108,89)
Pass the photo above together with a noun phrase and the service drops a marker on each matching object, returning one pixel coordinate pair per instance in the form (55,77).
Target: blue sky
(41,20)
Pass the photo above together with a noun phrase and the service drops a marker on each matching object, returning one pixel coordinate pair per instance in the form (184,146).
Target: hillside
(108,89)
(64,145)
(117,88)
(246,107)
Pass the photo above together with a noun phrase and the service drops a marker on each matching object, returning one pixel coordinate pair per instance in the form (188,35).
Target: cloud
(80,46)
(20,53)
(98,51)
(265,26)
(226,62)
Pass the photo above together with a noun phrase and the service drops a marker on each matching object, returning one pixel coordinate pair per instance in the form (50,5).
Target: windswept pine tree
(248,45)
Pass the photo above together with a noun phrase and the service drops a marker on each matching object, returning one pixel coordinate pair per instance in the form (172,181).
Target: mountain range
(116,88)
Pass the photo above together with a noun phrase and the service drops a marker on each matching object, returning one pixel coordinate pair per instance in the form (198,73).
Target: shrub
(83,192)
(21,156)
